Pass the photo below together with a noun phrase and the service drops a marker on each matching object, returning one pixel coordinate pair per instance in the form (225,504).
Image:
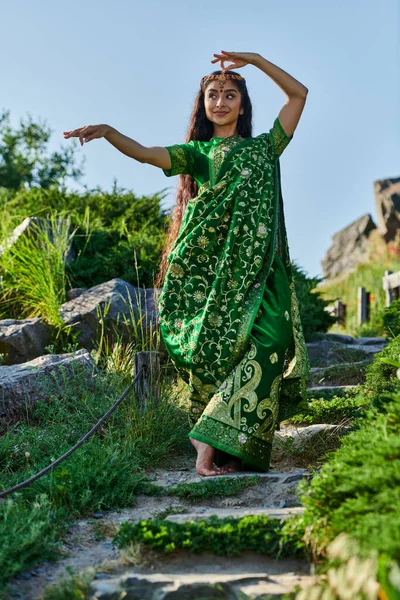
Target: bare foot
(232,466)
(205,459)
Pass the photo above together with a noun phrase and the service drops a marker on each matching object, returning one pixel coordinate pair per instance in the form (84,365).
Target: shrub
(314,318)
(109,227)
(380,375)
(358,488)
(228,536)
(391,319)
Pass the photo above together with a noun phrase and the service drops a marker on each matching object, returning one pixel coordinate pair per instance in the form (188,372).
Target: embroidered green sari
(228,311)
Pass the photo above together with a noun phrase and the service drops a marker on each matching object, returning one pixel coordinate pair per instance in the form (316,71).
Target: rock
(206,584)
(387,200)
(236,512)
(120,304)
(22,340)
(23,384)
(338,337)
(335,375)
(330,388)
(350,248)
(329,352)
(30,226)
(75,293)
(305,435)
(371,341)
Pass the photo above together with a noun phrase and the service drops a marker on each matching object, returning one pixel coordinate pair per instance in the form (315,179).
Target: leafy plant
(314,317)
(23,159)
(391,319)
(221,536)
(358,489)
(33,270)
(334,410)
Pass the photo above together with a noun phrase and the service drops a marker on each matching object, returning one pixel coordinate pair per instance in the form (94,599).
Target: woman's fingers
(87,133)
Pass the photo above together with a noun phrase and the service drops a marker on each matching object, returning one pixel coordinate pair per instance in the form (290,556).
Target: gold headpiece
(222,78)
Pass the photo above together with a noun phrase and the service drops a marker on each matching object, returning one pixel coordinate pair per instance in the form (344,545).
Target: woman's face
(222,105)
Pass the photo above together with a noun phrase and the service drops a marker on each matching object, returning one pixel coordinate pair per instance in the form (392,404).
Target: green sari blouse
(228,310)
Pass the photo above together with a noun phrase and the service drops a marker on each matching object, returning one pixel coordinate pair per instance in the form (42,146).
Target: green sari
(228,311)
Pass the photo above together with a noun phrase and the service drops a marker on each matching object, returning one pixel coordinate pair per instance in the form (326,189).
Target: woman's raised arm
(153,155)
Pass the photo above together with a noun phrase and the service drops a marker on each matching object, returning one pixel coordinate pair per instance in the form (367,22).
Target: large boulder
(22,385)
(127,312)
(22,340)
(387,199)
(350,248)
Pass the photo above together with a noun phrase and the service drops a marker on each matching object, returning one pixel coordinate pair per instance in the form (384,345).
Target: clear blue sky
(137,66)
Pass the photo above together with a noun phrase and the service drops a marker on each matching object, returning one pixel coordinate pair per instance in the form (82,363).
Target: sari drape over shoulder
(228,310)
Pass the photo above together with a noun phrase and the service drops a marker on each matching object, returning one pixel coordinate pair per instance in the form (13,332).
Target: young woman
(228,311)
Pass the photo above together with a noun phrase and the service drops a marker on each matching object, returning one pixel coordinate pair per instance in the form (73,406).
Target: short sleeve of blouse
(183,158)
(279,138)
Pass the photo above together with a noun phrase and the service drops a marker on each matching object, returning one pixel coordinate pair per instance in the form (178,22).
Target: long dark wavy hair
(202,129)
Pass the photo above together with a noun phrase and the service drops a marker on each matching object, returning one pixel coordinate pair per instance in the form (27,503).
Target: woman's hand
(239,59)
(88,133)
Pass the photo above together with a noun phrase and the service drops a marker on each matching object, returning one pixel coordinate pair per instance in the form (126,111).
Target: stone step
(330,388)
(202,512)
(307,435)
(195,577)
(348,339)
(171,478)
(322,370)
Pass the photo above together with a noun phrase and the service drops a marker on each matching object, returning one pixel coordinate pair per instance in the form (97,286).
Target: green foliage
(105,473)
(391,319)
(347,576)
(369,276)
(314,318)
(23,158)
(358,489)
(127,442)
(381,375)
(33,271)
(73,586)
(221,536)
(334,410)
(109,228)
(28,533)
(213,488)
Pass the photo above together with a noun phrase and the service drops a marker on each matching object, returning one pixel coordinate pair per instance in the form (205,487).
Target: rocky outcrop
(22,340)
(23,384)
(350,247)
(362,240)
(127,312)
(387,199)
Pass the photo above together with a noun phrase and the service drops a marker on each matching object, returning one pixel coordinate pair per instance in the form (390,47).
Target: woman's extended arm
(153,155)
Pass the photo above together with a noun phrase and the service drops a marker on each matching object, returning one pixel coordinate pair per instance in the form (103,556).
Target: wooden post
(340,312)
(148,385)
(362,306)
(389,296)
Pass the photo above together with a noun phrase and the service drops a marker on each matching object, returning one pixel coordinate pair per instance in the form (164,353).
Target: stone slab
(237,513)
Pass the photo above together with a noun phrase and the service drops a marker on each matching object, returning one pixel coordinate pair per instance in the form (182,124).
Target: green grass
(33,271)
(345,288)
(73,586)
(105,473)
(228,536)
(332,410)
(358,489)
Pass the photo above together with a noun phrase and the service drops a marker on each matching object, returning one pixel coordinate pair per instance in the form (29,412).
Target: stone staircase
(338,364)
